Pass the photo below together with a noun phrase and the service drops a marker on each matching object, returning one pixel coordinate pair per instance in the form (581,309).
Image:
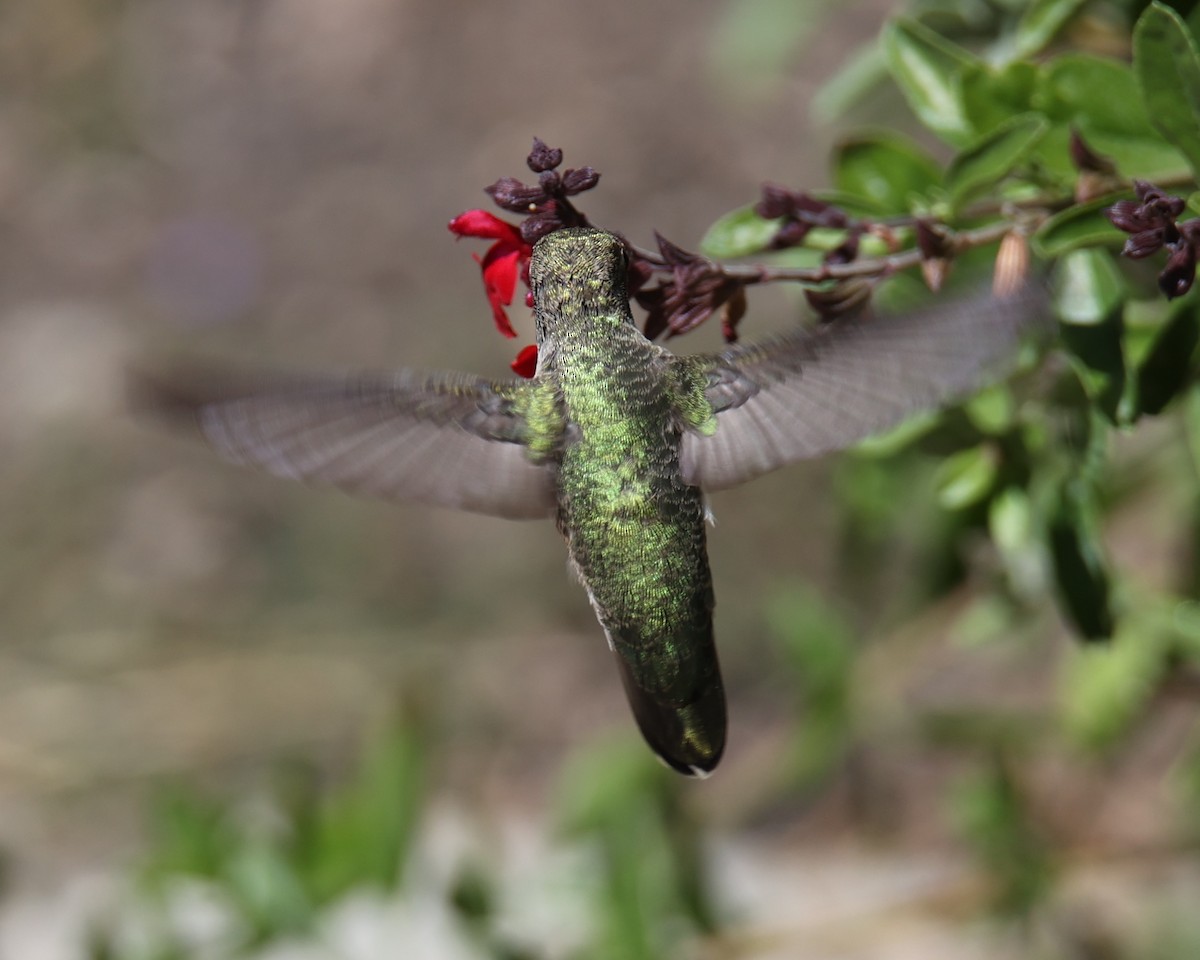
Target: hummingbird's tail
(688,734)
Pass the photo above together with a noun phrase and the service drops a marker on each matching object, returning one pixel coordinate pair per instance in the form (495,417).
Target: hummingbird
(617,439)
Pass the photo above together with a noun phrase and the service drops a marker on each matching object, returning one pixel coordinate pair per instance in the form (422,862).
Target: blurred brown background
(269,182)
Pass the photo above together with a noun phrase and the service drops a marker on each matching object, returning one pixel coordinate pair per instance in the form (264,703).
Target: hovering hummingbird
(617,439)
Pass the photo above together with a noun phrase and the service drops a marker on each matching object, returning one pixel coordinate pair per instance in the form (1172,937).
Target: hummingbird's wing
(445,439)
(814,391)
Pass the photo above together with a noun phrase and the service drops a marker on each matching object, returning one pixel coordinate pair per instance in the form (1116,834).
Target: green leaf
(992,96)
(739,233)
(1092,95)
(1168,367)
(1083,225)
(891,442)
(649,873)
(928,69)
(992,158)
(1040,22)
(604,782)
(885,168)
(364,832)
(1098,348)
(993,817)
(1185,619)
(1168,71)
(267,892)
(852,203)
(1015,530)
(967,477)
(1146,158)
(473,897)
(817,644)
(1106,688)
(1089,288)
(1079,568)
(192,835)
(992,409)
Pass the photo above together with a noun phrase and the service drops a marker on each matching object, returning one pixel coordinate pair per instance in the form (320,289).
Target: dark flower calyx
(537,226)
(577,181)
(776,202)
(695,288)
(934,241)
(1128,215)
(1151,222)
(1177,276)
(800,213)
(512,195)
(1152,196)
(847,250)
(542,158)
(1086,159)
(1140,245)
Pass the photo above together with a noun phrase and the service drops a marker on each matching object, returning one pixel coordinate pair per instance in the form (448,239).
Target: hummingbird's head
(578,273)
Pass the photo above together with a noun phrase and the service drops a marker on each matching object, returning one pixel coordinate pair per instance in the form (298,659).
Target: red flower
(505,260)
(526,363)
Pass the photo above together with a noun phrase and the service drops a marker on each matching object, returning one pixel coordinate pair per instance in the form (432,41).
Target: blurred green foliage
(1026,482)
(273,877)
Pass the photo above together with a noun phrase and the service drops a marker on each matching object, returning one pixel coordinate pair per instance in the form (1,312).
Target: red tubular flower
(505,260)
(526,363)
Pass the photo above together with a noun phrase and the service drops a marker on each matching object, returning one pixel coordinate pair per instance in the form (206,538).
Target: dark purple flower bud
(542,157)
(673,255)
(821,213)
(1167,207)
(1085,158)
(1190,231)
(776,202)
(640,273)
(732,313)
(652,301)
(535,227)
(577,181)
(1176,278)
(791,234)
(1155,201)
(1127,215)
(1141,245)
(933,241)
(846,251)
(550,182)
(511,194)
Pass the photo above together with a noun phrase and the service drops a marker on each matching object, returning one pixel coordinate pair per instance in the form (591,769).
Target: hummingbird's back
(634,528)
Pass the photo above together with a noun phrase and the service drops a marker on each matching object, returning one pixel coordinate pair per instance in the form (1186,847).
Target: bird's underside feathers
(444,439)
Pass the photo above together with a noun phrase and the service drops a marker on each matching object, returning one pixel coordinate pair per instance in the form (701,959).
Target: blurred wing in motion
(814,391)
(445,439)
